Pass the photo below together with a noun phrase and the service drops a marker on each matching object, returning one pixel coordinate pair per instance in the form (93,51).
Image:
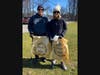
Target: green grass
(44,68)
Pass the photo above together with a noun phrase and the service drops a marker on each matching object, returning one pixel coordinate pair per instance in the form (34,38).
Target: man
(37,26)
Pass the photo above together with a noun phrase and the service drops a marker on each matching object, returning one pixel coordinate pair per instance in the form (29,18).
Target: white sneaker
(63,66)
(54,61)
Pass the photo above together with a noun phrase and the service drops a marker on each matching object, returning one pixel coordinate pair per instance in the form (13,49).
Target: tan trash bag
(60,50)
(41,46)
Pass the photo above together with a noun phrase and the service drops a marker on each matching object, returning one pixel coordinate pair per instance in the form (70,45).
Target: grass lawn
(43,68)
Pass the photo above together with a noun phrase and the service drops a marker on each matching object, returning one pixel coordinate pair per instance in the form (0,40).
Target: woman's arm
(64,28)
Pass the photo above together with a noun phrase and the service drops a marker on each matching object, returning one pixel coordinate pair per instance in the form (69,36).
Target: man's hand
(31,35)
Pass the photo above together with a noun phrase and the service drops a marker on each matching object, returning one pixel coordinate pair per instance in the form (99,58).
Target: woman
(56,30)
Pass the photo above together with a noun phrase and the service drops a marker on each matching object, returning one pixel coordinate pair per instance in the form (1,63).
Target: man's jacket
(37,25)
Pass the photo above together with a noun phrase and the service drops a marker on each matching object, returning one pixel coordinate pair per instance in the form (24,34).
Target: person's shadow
(29,63)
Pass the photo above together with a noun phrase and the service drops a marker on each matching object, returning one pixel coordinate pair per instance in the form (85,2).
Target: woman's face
(56,14)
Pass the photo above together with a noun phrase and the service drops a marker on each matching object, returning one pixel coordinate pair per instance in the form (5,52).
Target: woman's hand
(55,38)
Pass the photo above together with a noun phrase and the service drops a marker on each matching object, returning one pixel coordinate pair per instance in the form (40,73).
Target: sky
(63,3)
(53,3)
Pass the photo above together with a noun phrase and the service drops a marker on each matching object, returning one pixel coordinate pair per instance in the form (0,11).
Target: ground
(44,68)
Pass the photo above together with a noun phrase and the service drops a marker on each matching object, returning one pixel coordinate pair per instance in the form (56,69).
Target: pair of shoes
(63,66)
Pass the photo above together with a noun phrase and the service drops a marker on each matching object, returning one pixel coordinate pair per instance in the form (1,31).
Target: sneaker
(43,59)
(63,66)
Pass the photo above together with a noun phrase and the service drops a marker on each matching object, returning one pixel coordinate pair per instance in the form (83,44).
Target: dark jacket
(56,27)
(37,25)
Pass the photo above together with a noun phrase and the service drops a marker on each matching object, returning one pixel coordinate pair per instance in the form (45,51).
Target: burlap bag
(41,46)
(60,50)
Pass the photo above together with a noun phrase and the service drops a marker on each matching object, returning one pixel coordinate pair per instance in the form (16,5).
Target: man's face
(40,11)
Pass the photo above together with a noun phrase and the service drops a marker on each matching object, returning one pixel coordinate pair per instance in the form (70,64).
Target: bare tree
(26,8)
(63,12)
(73,8)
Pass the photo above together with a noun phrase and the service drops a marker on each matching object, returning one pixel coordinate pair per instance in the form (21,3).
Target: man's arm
(30,25)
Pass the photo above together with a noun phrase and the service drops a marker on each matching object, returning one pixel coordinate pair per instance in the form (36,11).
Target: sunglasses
(56,12)
(41,9)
